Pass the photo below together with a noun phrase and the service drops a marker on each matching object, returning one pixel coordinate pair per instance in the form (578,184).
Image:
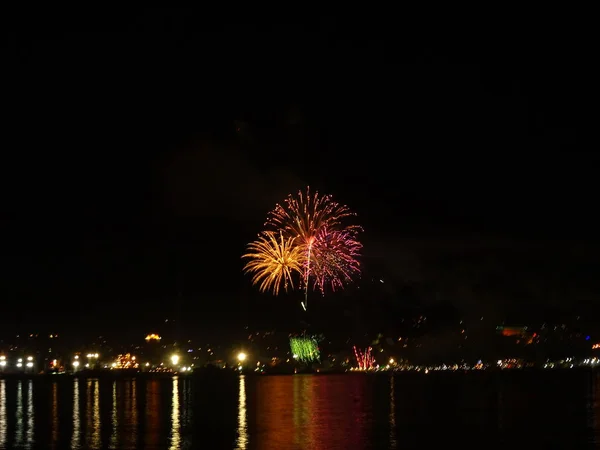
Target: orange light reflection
(153,413)
(307,411)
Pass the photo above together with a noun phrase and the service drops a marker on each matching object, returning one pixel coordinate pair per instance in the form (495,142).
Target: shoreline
(223,373)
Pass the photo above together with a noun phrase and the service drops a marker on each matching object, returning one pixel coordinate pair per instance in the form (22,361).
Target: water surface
(346,412)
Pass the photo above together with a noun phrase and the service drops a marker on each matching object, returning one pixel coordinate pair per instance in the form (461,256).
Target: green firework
(305,349)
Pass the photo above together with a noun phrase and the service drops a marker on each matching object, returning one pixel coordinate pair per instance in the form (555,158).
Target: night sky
(141,154)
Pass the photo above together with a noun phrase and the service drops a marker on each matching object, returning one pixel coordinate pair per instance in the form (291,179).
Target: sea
(529,410)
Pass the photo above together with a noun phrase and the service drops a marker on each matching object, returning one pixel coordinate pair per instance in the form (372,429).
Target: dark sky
(142,152)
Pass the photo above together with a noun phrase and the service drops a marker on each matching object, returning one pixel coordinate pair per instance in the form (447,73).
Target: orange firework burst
(273,260)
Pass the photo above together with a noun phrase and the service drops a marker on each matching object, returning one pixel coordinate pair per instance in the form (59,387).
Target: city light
(241,357)
(29,364)
(75,364)
(93,355)
(174,359)
(30,358)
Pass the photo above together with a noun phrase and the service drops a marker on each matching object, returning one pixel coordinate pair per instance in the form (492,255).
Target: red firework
(364,360)
(334,258)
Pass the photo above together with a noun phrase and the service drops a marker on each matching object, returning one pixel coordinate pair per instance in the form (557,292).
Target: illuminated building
(152,337)
(152,350)
(126,361)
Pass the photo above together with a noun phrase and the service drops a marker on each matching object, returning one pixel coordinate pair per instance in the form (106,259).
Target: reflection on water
(96,442)
(89,410)
(242,430)
(93,415)
(115,421)
(54,439)
(348,412)
(153,415)
(275,415)
(393,442)
(175,435)
(3,419)
(301,408)
(19,428)
(134,413)
(595,408)
(305,411)
(24,428)
(76,425)
(128,420)
(186,403)
(30,415)
(134,409)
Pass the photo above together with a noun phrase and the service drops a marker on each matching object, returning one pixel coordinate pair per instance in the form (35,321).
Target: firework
(365,360)
(330,248)
(305,349)
(273,260)
(334,258)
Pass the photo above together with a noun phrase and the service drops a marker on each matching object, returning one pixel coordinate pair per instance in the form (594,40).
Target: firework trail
(330,248)
(273,259)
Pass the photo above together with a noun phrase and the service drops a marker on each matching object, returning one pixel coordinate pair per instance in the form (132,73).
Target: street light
(174,359)
(241,357)
(91,356)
